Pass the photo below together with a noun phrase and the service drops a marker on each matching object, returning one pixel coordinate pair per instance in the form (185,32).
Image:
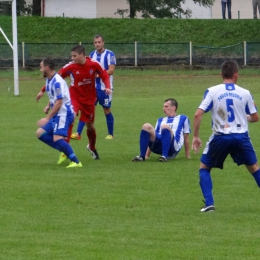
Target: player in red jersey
(82,70)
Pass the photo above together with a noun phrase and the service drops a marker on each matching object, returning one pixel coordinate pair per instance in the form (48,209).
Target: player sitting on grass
(168,136)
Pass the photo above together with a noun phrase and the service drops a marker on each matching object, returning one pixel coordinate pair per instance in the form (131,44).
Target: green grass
(114,208)
(200,31)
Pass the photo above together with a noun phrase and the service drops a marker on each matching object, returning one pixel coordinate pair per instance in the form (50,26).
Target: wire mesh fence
(137,54)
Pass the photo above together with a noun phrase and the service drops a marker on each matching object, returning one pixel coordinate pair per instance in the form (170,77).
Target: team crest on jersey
(77,72)
(230,87)
(112,59)
(91,72)
(58,91)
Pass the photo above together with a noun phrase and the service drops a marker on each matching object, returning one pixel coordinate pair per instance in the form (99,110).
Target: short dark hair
(99,36)
(228,69)
(79,49)
(173,102)
(49,62)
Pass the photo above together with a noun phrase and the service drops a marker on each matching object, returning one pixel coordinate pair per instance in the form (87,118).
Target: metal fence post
(136,63)
(191,54)
(245,53)
(23,54)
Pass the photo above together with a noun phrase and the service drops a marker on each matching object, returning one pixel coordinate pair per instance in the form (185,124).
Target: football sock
(80,127)
(256,175)
(166,141)
(144,142)
(110,123)
(92,138)
(48,139)
(67,139)
(67,150)
(206,186)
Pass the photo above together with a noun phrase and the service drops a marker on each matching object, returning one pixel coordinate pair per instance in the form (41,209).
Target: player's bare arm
(111,69)
(55,109)
(196,142)
(39,96)
(253,118)
(47,108)
(187,145)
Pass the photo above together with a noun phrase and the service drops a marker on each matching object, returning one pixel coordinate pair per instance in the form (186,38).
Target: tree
(161,8)
(22,8)
(36,8)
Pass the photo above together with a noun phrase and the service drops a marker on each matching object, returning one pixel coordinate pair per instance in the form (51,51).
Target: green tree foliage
(22,8)
(161,8)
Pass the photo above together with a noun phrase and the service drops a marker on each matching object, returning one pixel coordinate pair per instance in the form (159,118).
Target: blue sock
(256,175)
(166,142)
(67,150)
(206,186)
(144,141)
(110,123)
(48,139)
(80,127)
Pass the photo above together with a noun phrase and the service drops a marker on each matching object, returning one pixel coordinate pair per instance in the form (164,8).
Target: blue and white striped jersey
(229,104)
(57,88)
(105,58)
(179,125)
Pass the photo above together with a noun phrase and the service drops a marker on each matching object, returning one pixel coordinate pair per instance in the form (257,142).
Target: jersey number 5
(230,110)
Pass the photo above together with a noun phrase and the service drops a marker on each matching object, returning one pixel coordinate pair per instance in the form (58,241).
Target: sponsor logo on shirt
(85,82)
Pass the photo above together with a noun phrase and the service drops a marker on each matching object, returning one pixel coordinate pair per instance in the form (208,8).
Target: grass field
(114,208)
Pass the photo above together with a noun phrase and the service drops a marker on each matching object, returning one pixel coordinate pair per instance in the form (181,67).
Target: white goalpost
(14,46)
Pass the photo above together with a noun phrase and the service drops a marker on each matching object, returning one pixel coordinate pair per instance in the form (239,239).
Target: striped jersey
(57,88)
(229,104)
(106,58)
(179,125)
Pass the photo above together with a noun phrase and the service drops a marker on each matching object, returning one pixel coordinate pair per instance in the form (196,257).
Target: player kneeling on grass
(168,136)
(54,127)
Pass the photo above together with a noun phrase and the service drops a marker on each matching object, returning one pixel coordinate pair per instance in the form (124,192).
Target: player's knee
(39,132)
(147,127)
(165,126)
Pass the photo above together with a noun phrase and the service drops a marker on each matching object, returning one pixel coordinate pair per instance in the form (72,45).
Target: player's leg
(110,122)
(105,101)
(147,135)
(45,134)
(88,116)
(166,137)
(60,131)
(217,149)
(206,188)
(244,153)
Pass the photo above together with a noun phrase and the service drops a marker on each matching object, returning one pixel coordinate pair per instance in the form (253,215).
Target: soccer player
(231,107)
(168,136)
(108,61)
(54,127)
(82,70)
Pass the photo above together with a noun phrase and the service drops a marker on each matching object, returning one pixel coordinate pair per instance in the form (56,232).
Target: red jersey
(82,87)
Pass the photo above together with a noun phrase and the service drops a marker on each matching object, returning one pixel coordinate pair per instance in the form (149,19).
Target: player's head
(173,102)
(78,54)
(229,70)
(47,66)
(170,106)
(99,43)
